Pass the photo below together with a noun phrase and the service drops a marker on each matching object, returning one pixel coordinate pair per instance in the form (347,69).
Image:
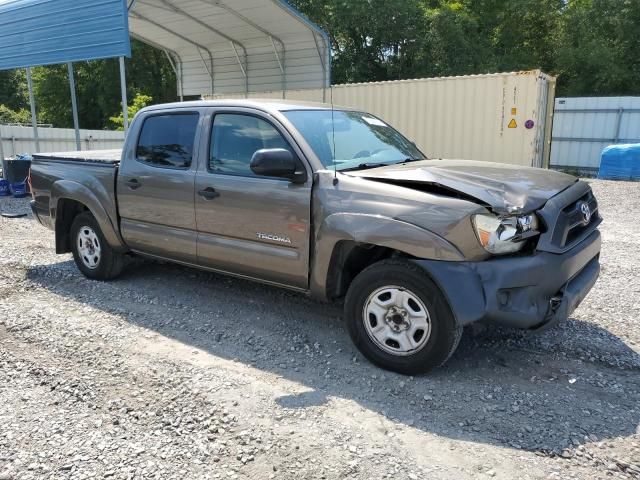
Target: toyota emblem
(586,212)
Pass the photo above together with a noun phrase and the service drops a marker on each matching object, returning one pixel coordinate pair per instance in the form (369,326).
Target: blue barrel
(19,189)
(4,188)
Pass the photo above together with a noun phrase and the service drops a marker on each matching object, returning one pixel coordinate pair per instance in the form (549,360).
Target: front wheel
(399,319)
(94,257)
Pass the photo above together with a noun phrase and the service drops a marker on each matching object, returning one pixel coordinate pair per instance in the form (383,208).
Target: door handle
(133,183)
(209,193)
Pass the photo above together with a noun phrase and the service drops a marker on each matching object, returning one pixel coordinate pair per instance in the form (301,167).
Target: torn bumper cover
(531,291)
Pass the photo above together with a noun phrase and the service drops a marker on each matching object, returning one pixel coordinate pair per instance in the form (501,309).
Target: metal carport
(214,46)
(234,46)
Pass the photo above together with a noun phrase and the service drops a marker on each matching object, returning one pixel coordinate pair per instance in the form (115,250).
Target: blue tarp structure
(620,162)
(48,32)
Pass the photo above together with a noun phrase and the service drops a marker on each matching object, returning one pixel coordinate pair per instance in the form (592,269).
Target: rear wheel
(399,319)
(92,254)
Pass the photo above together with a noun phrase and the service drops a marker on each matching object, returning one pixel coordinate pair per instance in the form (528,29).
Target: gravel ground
(172,373)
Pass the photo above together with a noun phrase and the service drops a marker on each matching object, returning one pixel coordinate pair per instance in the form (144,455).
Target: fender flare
(70,190)
(375,230)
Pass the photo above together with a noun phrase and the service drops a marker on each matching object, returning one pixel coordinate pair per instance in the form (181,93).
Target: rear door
(155,185)
(247,224)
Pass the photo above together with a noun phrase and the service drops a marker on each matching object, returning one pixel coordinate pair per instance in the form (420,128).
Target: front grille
(565,220)
(570,226)
(574,226)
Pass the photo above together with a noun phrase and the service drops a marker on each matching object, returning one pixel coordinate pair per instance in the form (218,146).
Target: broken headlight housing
(501,235)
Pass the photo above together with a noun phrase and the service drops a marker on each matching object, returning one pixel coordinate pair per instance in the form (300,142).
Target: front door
(155,186)
(247,224)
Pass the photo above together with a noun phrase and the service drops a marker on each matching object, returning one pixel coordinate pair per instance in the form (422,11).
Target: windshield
(356,140)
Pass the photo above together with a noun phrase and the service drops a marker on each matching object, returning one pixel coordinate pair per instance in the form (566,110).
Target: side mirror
(277,162)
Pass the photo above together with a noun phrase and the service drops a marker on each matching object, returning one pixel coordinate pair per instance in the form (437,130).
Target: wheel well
(66,211)
(348,259)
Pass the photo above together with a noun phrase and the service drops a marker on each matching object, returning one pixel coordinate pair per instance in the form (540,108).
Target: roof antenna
(333,139)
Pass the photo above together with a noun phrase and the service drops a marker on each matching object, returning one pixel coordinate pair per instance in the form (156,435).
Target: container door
(247,224)
(541,108)
(155,187)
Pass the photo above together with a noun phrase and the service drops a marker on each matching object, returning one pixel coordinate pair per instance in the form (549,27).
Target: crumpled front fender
(376,230)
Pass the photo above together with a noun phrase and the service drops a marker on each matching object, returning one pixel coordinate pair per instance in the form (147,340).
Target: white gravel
(172,373)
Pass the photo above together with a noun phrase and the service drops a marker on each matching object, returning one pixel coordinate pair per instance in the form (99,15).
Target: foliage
(591,45)
(139,102)
(452,43)
(7,115)
(98,87)
(598,48)
(13,89)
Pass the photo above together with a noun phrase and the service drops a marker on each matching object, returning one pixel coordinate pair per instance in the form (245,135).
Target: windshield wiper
(408,160)
(363,166)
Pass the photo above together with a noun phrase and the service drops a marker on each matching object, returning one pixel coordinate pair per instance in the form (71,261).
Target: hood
(504,188)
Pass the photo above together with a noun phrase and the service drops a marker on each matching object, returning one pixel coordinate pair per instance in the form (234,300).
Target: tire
(91,252)
(390,335)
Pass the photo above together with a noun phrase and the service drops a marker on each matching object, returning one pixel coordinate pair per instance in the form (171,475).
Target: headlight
(504,235)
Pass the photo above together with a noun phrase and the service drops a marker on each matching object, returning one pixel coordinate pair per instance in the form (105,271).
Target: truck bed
(93,156)
(90,175)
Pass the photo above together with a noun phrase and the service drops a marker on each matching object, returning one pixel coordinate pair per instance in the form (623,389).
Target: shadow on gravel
(539,392)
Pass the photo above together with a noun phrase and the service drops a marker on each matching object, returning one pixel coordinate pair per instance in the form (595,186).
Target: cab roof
(268,105)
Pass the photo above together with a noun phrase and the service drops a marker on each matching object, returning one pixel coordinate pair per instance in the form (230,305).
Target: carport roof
(46,32)
(234,46)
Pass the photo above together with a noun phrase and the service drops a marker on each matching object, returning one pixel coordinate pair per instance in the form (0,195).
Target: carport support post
(74,104)
(123,90)
(181,85)
(32,101)
(1,147)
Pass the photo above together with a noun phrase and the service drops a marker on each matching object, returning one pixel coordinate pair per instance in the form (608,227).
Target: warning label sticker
(512,123)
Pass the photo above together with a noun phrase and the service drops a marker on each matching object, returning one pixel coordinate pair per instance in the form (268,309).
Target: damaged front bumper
(533,291)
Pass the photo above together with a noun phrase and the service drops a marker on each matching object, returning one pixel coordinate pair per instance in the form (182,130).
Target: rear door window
(167,140)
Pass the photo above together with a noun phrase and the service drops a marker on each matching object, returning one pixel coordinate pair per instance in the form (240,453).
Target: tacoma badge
(273,238)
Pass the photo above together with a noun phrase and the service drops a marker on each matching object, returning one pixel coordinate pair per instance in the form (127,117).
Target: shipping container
(584,126)
(502,117)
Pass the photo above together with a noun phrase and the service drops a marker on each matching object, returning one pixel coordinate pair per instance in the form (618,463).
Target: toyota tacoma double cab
(336,204)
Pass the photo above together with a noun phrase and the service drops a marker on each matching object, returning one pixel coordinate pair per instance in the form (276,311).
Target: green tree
(13,89)
(370,40)
(98,87)
(598,48)
(7,115)
(521,34)
(385,40)
(452,43)
(139,102)
(51,91)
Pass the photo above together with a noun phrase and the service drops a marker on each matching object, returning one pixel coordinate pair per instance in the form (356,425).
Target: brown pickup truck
(336,204)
